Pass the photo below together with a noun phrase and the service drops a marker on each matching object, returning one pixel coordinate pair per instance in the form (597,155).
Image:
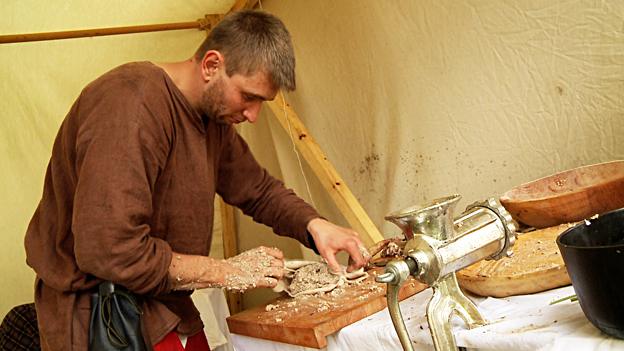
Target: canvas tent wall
(410,100)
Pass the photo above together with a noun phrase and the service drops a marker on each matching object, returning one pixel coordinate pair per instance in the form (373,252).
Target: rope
(208,22)
(305,179)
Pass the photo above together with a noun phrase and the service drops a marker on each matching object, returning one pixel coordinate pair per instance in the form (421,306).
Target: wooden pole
(230,248)
(326,173)
(204,23)
(228,222)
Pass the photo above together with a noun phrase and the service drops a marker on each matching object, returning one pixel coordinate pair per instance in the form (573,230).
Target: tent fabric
(410,100)
(416,100)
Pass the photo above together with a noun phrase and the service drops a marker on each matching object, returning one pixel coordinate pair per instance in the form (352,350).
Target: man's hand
(260,267)
(331,239)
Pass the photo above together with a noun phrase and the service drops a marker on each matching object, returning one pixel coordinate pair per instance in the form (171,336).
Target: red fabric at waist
(171,342)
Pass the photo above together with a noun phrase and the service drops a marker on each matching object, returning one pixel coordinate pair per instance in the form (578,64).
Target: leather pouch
(115,320)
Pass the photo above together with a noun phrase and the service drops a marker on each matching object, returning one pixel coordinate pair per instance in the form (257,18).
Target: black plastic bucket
(593,252)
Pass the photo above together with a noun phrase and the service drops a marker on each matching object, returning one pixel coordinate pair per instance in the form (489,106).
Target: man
(128,194)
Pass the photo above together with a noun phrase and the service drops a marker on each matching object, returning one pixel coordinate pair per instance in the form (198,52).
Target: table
(525,322)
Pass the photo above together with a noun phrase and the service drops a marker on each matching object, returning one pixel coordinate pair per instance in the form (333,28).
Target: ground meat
(312,276)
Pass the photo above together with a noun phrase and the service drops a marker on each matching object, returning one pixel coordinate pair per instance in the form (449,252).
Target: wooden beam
(228,222)
(326,173)
(203,24)
(243,5)
(230,248)
(206,23)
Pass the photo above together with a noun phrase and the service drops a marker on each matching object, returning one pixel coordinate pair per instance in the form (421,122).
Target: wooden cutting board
(535,266)
(307,321)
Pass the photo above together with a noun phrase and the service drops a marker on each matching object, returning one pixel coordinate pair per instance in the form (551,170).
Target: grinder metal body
(437,246)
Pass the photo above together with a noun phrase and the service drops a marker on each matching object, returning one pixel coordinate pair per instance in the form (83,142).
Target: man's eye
(248,97)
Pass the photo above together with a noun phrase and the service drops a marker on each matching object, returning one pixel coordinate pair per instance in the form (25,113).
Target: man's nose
(252,111)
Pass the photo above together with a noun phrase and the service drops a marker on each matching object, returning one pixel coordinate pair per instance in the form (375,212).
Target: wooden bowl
(569,196)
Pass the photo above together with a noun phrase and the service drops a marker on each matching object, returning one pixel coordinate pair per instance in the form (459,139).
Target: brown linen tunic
(132,177)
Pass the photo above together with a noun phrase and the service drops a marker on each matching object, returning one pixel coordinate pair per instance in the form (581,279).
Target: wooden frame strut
(205,23)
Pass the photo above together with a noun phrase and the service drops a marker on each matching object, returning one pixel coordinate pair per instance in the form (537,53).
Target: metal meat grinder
(438,246)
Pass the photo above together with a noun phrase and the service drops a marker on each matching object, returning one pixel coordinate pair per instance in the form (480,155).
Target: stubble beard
(212,102)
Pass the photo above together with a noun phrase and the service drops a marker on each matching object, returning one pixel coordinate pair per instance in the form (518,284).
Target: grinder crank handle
(394,275)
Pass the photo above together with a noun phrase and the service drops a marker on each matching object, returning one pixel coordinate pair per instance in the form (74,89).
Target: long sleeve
(120,150)
(242,182)
(131,178)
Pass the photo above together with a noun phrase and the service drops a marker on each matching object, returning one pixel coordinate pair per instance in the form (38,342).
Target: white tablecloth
(213,309)
(524,322)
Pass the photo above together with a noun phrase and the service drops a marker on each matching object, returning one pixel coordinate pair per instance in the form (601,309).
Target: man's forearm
(255,268)
(189,272)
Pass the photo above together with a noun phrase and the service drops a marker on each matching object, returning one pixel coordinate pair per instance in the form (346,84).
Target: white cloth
(524,322)
(213,309)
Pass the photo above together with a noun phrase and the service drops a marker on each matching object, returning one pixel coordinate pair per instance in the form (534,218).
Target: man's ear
(210,64)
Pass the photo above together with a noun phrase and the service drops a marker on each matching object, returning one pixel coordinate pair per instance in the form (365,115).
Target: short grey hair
(251,41)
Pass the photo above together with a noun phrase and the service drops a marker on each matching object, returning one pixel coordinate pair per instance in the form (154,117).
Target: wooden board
(307,321)
(535,266)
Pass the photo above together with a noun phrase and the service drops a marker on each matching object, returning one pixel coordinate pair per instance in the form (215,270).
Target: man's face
(237,98)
